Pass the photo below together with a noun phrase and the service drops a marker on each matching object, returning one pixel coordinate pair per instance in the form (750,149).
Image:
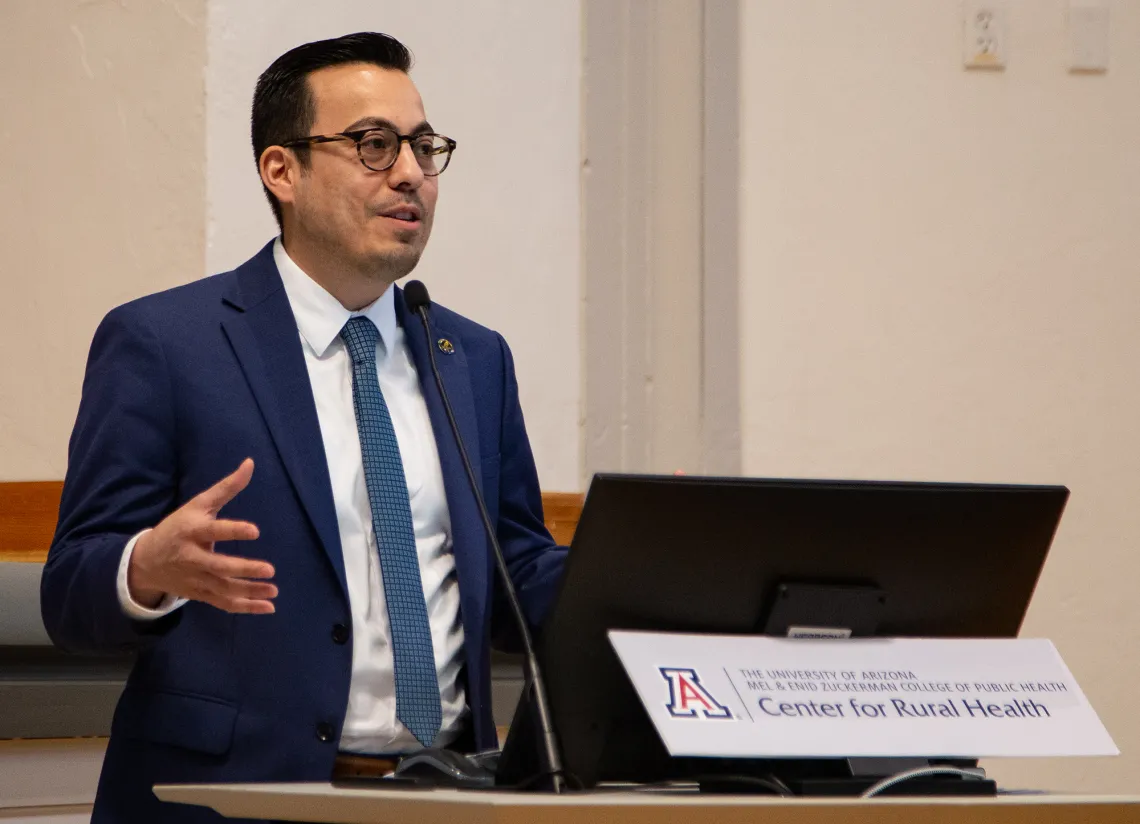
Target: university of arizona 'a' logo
(688,697)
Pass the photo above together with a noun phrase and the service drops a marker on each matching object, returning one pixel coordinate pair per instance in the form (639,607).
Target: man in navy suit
(263,496)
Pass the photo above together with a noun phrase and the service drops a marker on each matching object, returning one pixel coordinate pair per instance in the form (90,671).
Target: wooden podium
(322,802)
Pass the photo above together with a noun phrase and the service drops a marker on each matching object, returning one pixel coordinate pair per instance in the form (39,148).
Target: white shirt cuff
(131,608)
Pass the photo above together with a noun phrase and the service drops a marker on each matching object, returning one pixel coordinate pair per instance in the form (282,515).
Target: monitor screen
(739,555)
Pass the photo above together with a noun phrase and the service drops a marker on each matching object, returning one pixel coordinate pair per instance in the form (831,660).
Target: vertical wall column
(659,233)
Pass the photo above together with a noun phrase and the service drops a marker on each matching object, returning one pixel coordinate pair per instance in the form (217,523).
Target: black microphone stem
(549,747)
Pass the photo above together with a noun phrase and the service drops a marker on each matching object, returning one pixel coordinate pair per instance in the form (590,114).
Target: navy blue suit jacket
(180,387)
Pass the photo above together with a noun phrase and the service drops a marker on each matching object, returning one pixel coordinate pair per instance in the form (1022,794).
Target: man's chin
(394,263)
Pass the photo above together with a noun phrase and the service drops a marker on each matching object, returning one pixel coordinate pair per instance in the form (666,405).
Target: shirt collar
(320,316)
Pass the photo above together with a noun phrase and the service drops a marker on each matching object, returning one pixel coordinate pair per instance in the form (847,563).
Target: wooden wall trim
(28,510)
(561,510)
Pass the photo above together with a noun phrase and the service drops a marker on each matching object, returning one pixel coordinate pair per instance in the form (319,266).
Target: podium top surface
(322,802)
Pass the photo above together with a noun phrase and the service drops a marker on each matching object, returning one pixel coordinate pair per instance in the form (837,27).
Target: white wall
(501,78)
(101,194)
(940,278)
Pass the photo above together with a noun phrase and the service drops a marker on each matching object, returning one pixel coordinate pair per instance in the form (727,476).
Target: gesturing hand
(177,557)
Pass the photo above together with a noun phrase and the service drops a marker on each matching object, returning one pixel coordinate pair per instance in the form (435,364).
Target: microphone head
(416,296)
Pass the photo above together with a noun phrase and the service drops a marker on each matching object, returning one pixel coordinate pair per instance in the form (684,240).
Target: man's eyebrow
(384,123)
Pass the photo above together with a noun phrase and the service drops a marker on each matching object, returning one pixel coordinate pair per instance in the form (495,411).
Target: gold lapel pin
(445,346)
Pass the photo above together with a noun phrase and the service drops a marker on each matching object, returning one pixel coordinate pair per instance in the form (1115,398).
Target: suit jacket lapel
(265,339)
(473,563)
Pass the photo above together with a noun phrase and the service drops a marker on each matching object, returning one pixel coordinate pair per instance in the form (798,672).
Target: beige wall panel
(102,197)
(940,275)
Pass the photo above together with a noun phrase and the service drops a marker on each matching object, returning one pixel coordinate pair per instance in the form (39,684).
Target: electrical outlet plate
(1088,36)
(984,33)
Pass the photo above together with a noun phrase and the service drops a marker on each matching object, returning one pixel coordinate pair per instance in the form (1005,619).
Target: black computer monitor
(753,556)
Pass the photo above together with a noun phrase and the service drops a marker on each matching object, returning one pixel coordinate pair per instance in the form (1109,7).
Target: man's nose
(405,173)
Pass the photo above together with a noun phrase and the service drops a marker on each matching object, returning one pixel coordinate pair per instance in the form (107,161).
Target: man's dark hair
(283,106)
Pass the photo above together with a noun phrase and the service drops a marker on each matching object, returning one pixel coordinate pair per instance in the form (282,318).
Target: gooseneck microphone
(417,300)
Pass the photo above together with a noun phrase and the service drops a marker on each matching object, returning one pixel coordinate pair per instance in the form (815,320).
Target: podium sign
(763,697)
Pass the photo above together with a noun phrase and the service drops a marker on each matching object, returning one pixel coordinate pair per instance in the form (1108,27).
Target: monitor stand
(812,610)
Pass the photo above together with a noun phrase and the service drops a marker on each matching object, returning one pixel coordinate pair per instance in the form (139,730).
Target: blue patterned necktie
(417,686)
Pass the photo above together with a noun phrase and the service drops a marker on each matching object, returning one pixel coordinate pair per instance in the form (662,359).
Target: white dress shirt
(370,725)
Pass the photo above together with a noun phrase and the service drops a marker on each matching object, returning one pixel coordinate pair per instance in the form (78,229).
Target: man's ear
(279,172)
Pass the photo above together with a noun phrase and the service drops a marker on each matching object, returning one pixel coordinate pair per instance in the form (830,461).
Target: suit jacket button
(340,633)
(324,731)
